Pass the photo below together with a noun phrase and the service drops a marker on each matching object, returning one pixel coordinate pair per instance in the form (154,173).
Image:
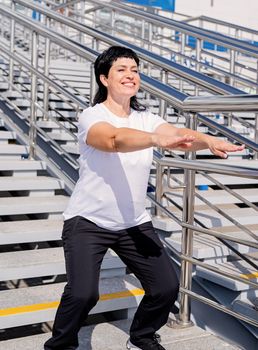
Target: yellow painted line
(54,304)
(249,275)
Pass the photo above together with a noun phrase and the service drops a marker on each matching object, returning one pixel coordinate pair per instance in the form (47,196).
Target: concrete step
(72,149)
(243,302)
(205,247)
(3,86)
(13,151)
(50,124)
(24,306)
(48,262)
(62,136)
(238,268)
(30,231)
(225,180)
(113,336)
(33,205)
(21,102)
(21,166)
(217,197)
(13,94)
(248,309)
(7,135)
(60,106)
(26,183)
(210,218)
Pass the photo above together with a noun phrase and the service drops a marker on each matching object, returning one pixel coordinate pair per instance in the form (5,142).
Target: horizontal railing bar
(218,306)
(42,76)
(149,84)
(219,21)
(151,57)
(211,36)
(222,103)
(209,167)
(228,132)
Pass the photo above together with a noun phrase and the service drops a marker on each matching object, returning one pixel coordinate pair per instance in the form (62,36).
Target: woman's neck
(121,109)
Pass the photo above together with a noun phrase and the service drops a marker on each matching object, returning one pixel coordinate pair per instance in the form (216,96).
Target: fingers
(221,150)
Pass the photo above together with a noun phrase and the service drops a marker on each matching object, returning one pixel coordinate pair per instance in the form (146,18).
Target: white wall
(242,12)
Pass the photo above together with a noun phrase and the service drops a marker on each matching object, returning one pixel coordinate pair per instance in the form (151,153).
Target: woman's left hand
(221,148)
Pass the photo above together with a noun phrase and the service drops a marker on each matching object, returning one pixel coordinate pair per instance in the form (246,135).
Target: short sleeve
(154,121)
(87,119)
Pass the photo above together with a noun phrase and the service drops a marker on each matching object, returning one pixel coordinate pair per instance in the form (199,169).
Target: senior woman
(107,208)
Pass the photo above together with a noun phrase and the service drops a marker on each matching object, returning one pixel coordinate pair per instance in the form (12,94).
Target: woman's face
(123,78)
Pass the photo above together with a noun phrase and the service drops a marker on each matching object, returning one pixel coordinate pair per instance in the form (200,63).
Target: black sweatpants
(139,247)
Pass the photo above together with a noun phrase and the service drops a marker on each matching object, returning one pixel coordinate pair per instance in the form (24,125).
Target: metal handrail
(207,167)
(163,63)
(164,92)
(219,21)
(143,15)
(190,165)
(169,94)
(211,36)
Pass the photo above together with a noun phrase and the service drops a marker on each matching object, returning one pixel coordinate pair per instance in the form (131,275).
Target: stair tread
(29,205)
(30,231)
(113,335)
(13,298)
(219,196)
(44,262)
(240,268)
(10,149)
(237,268)
(22,164)
(12,183)
(205,246)
(44,225)
(6,135)
(225,180)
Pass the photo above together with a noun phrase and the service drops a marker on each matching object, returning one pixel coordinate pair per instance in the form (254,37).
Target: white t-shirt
(111,189)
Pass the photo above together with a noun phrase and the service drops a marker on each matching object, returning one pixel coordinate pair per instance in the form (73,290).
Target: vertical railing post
(112,21)
(159,188)
(163,103)
(93,83)
(232,66)
(187,235)
(46,72)
(256,117)
(12,35)
(33,109)
(198,60)
(182,51)
(256,134)
(143,32)
(198,54)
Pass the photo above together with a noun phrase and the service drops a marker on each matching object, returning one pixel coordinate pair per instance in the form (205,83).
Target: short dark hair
(103,64)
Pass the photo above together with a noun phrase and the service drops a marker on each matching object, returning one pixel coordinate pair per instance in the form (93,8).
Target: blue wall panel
(164,4)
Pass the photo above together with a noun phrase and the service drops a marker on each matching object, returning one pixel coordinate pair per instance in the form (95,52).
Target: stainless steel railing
(187,105)
(189,229)
(181,32)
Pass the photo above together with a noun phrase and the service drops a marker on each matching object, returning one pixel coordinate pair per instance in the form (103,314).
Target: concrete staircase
(32,270)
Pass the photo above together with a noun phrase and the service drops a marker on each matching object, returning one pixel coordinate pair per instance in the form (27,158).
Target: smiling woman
(107,208)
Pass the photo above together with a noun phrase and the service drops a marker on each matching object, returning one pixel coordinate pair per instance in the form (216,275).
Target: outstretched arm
(108,138)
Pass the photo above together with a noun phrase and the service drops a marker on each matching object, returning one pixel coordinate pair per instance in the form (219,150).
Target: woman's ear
(103,79)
